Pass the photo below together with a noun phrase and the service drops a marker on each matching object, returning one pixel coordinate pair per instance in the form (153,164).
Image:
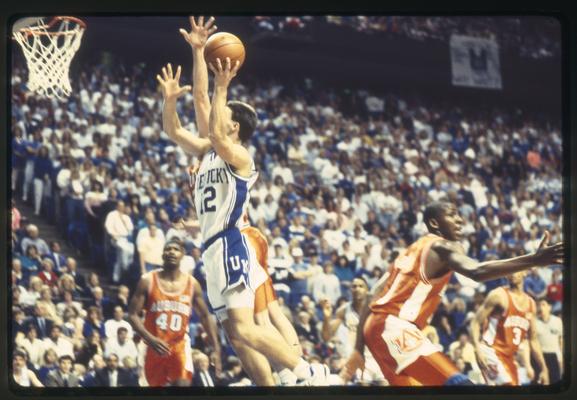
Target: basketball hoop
(49,49)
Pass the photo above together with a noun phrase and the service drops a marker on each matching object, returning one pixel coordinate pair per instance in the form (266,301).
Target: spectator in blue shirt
(534,285)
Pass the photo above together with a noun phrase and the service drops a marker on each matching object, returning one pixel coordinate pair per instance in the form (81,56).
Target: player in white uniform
(348,316)
(221,196)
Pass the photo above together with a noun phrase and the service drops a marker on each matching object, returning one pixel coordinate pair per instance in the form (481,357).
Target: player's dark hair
(246,117)
(433,210)
(361,278)
(175,240)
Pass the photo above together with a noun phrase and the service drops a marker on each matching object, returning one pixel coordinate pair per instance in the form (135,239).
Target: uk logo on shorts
(236,258)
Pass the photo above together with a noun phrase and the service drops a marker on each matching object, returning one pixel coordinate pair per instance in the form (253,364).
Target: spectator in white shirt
(121,345)
(33,346)
(119,226)
(117,321)
(150,242)
(59,343)
(327,285)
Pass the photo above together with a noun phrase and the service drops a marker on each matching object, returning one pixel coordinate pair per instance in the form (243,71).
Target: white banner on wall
(475,62)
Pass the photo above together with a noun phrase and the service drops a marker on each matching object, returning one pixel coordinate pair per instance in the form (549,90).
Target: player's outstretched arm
(330,324)
(171,91)
(197,37)
(537,353)
(135,309)
(495,300)
(450,255)
(208,324)
(220,123)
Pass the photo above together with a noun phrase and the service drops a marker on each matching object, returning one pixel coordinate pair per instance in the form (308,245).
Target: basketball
(222,45)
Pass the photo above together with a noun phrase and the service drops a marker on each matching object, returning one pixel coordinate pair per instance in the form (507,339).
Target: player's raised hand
(224,71)
(169,84)
(326,308)
(547,255)
(199,32)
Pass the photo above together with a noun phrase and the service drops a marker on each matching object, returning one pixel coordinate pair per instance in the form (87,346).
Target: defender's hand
(199,32)
(171,89)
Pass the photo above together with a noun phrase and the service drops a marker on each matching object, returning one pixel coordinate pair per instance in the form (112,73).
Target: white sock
(287,377)
(302,370)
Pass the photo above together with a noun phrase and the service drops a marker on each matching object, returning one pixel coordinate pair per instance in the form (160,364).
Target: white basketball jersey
(220,196)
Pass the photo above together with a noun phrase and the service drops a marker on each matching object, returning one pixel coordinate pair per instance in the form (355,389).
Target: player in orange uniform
(168,297)
(405,300)
(506,317)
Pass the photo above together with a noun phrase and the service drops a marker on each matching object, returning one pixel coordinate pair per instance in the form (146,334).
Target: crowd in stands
(341,191)
(526,36)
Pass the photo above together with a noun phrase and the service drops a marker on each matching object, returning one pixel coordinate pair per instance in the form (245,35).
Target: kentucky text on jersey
(517,321)
(212,176)
(170,305)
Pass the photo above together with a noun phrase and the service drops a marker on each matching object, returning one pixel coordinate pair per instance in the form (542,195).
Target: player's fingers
(178,70)
(212,30)
(228,63)
(192,22)
(218,65)
(164,73)
(170,70)
(545,240)
(209,22)
(201,20)
(159,79)
(236,66)
(212,68)
(184,33)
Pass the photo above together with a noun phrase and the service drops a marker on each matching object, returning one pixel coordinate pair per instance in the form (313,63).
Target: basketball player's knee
(242,331)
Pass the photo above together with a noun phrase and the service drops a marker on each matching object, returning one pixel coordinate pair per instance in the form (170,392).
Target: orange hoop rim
(28,31)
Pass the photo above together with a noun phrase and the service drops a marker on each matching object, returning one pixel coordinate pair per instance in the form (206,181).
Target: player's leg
(284,326)
(436,370)
(272,345)
(373,333)
(254,363)
(155,370)
(180,366)
(503,375)
(265,296)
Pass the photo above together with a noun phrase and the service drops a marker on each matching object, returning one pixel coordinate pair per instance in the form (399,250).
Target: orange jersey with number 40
(167,314)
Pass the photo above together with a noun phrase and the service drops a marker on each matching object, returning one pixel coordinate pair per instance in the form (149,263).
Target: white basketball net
(49,49)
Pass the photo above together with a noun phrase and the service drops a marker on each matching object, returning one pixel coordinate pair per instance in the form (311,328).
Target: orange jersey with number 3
(408,294)
(505,331)
(167,314)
